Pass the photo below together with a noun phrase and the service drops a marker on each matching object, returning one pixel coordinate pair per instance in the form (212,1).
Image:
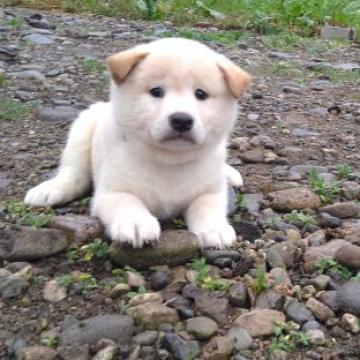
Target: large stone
(238,294)
(175,247)
(294,199)
(270,299)
(247,230)
(253,156)
(180,348)
(151,315)
(281,255)
(36,352)
(218,348)
(115,327)
(305,169)
(39,39)
(12,286)
(260,322)
(59,113)
(74,352)
(349,255)
(342,210)
(242,339)
(314,254)
(320,310)
(297,312)
(27,243)
(80,228)
(348,297)
(336,32)
(201,327)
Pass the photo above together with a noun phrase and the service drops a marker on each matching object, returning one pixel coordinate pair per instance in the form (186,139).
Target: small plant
(240,200)
(179,223)
(328,264)
(212,284)
(259,285)
(326,191)
(118,275)
(269,222)
(16,23)
(90,65)
(201,268)
(3,80)
(21,214)
(50,341)
(287,339)
(65,280)
(88,281)
(343,171)
(73,253)
(140,290)
(12,110)
(97,248)
(356,277)
(298,216)
(85,201)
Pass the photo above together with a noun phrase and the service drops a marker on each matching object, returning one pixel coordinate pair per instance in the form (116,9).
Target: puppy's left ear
(121,64)
(236,78)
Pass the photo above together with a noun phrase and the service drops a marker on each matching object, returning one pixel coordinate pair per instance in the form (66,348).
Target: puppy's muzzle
(181,122)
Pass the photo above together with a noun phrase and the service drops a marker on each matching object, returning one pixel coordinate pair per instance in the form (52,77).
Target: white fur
(138,175)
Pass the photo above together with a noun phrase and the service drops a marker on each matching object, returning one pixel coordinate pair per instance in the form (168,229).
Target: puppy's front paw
(214,234)
(48,193)
(136,228)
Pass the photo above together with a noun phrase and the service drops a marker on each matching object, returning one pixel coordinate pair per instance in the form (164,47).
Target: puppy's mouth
(179,137)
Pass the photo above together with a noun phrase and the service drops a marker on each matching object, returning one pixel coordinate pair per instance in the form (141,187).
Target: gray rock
(319,85)
(212,256)
(79,228)
(54,292)
(238,294)
(39,39)
(270,299)
(306,169)
(175,247)
(151,315)
(326,220)
(59,113)
(321,281)
(280,55)
(252,156)
(160,279)
(242,339)
(281,255)
(315,253)
(181,349)
(12,286)
(36,352)
(317,337)
(297,312)
(14,345)
(248,230)
(294,199)
(74,352)
(146,338)
(33,75)
(27,243)
(337,32)
(218,348)
(263,140)
(107,353)
(349,255)
(350,189)
(232,205)
(329,298)
(342,210)
(253,202)
(115,327)
(260,322)
(320,310)
(310,325)
(201,327)
(348,297)
(301,132)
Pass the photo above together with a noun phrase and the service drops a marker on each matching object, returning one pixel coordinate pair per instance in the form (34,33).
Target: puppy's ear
(237,79)
(121,64)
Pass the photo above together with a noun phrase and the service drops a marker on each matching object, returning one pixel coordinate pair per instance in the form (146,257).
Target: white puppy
(158,147)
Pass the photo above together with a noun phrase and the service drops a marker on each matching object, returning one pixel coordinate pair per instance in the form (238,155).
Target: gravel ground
(272,296)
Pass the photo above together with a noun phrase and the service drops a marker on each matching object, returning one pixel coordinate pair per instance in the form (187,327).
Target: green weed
(50,341)
(343,171)
(326,191)
(271,221)
(240,200)
(12,110)
(3,80)
(64,280)
(328,264)
(89,283)
(286,69)
(16,23)
(140,290)
(298,216)
(259,285)
(90,65)
(97,248)
(179,223)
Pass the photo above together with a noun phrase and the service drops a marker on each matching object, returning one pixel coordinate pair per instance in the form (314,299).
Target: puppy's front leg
(206,217)
(126,218)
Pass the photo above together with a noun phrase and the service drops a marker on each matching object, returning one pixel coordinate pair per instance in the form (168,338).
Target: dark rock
(297,312)
(349,255)
(270,299)
(14,345)
(27,243)
(201,327)
(175,247)
(329,299)
(281,255)
(223,263)
(74,352)
(326,220)
(115,327)
(59,113)
(160,279)
(146,338)
(212,256)
(242,339)
(348,297)
(247,230)
(244,264)
(310,325)
(342,210)
(181,349)
(12,286)
(238,294)
(306,169)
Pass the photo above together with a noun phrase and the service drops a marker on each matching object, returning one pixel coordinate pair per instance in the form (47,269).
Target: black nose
(181,121)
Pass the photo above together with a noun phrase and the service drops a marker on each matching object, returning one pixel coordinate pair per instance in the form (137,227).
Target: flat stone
(218,348)
(320,310)
(59,113)
(212,256)
(348,297)
(342,210)
(328,221)
(260,322)
(36,352)
(176,247)
(74,352)
(314,254)
(252,156)
(39,39)
(337,32)
(253,202)
(151,315)
(180,348)
(281,255)
(297,312)
(349,255)
(119,328)
(248,230)
(79,228)
(238,294)
(242,339)
(146,338)
(263,140)
(201,327)
(54,292)
(145,298)
(27,243)
(301,132)
(270,299)
(12,286)
(294,199)
(32,75)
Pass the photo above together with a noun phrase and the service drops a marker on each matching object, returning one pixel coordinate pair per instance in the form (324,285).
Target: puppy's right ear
(121,64)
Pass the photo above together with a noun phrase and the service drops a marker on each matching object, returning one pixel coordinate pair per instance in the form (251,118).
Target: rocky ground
(290,287)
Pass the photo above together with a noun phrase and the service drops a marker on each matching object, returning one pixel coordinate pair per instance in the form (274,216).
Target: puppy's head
(175,94)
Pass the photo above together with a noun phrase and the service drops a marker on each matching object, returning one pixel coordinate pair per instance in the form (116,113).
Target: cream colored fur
(124,146)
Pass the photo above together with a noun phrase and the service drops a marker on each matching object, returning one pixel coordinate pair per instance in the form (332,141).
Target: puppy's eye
(201,94)
(157,92)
